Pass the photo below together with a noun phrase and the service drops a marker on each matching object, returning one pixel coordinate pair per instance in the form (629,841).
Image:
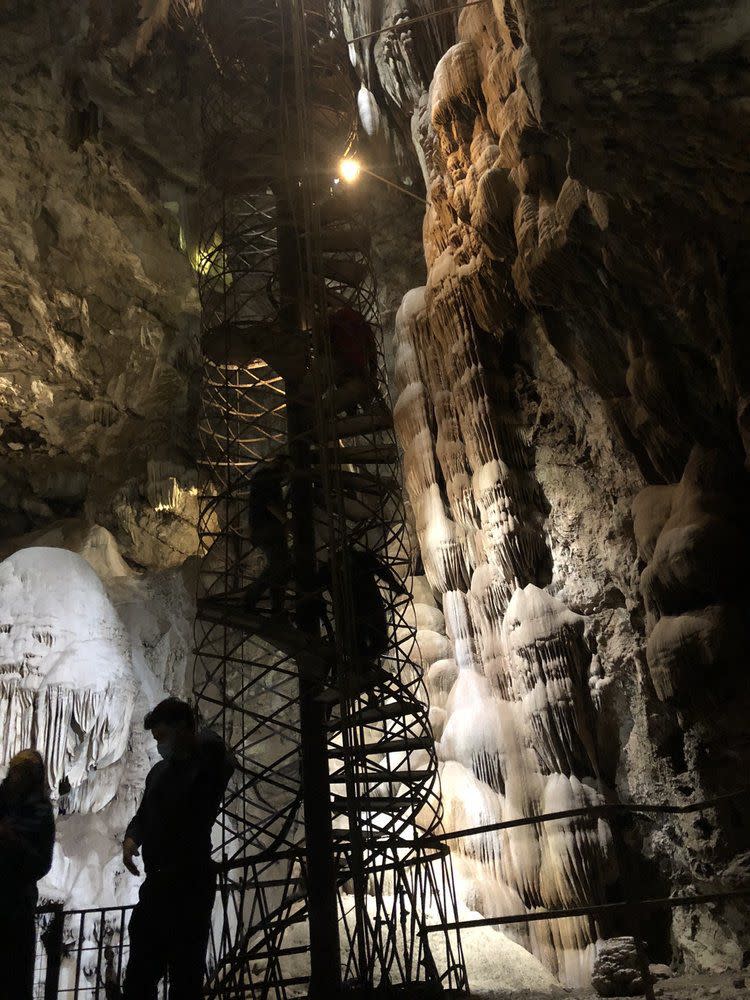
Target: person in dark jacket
(171,922)
(369,609)
(27,837)
(267,516)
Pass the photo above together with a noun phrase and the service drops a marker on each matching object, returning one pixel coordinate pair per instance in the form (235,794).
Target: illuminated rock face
(87,647)
(565,302)
(66,680)
(512,705)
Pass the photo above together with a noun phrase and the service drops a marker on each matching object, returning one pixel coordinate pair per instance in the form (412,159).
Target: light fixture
(349,169)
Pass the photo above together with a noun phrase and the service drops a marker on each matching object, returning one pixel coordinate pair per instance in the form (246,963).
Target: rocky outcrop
(98,312)
(576,298)
(618,969)
(66,679)
(87,646)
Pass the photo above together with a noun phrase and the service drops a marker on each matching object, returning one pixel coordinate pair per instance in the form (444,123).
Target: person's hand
(130,851)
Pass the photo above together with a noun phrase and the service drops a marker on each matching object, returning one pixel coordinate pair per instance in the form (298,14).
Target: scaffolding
(330,857)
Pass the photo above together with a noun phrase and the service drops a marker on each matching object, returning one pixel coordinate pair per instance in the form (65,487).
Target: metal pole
(52,939)
(325,964)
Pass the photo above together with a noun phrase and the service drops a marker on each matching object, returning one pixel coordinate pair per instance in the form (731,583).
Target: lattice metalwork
(305,640)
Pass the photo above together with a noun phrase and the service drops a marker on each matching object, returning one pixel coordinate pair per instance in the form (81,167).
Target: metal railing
(610,811)
(629,908)
(82,953)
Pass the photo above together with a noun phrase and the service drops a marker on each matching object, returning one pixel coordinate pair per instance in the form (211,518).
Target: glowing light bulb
(349,169)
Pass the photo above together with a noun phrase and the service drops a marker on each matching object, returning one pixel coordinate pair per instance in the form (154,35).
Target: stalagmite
(548,663)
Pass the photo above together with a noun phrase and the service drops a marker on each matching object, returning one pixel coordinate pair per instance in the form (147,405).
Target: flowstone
(66,677)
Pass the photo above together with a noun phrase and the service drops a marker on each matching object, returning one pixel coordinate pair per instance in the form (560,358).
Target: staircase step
(376,713)
(384,746)
(365,453)
(366,804)
(344,271)
(356,685)
(334,210)
(365,423)
(277,632)
(363,482)
(243,342)
(344,239)
(402,777)
(352,509)
(300,949)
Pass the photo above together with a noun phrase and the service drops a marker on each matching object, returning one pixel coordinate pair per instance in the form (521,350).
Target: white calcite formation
(510,694)
(66,679)
(87,646)
(555,241)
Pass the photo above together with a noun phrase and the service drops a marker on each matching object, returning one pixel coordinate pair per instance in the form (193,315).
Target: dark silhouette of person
(27,837)
(170,925)
(369,609)
(268,533)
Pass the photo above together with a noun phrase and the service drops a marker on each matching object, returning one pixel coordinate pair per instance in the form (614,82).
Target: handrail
(81,911)
(594,811)
(593,910)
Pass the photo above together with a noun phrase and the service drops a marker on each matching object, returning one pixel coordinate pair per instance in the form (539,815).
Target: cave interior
(372,377)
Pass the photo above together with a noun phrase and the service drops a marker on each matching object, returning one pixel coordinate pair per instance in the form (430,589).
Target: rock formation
(98,314)
(618,970)
(551,244)
(516,726)
(571,394)
(66,680)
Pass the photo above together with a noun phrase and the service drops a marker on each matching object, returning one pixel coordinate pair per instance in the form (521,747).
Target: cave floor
(727,986)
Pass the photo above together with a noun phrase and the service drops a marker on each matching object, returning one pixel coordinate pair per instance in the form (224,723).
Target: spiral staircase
(328,855)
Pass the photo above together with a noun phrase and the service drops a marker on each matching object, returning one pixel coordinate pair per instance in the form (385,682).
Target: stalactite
(66,682)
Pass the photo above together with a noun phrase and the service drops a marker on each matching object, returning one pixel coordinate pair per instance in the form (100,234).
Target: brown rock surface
(98,310)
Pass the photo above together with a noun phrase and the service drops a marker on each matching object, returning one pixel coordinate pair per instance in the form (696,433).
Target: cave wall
(98,308)
(571,404)
(99,369)
(573,371)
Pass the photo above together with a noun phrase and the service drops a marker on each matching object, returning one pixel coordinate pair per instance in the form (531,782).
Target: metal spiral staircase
(329,857)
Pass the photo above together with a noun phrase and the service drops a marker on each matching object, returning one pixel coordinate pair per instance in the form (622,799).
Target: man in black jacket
(27,837)
(170,925)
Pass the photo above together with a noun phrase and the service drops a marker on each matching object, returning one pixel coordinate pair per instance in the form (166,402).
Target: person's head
(25,775)
(172,724)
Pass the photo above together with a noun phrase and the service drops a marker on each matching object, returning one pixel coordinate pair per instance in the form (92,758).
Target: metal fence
(82,953)
(631,908)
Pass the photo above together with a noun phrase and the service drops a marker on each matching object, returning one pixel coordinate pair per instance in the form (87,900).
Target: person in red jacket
(355,360)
